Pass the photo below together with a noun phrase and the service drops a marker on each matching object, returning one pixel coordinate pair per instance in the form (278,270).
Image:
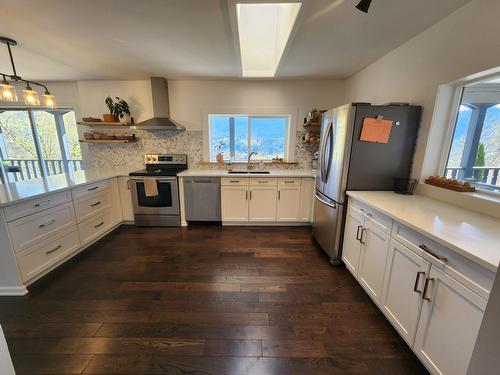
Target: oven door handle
(159,179)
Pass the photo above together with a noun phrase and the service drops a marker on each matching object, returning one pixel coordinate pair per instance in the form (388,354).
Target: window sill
(480,201)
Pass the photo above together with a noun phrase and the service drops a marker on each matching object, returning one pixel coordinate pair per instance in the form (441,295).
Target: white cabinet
(126,199)
(288,207)
(375,245)
(262,203)
(352,245)
(306,199)
(234,203)
(449,323)
(405,275)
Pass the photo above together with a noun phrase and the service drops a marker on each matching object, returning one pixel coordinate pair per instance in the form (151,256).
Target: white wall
(6,367)
(463,43)
(189,99)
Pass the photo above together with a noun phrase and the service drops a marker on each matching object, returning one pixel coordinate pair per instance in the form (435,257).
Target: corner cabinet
(432,296)
(266,200)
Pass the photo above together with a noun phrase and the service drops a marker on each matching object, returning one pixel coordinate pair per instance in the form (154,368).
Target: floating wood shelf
(460,188)
(312,124)
(103,123)
(108,140)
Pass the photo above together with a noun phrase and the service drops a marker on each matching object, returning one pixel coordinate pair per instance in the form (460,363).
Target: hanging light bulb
(7,91)
(50,100)
(30,96)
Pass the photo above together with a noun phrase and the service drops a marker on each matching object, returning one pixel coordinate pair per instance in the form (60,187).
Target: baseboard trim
(13,291)
(267,223)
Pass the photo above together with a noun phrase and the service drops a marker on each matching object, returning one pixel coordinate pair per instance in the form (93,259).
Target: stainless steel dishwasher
(202,199)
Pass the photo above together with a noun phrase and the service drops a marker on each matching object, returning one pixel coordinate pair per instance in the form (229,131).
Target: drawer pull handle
(98,225)
(263,182)
(363,230)
(289,182)
(234,181)
(42,203)
(417,281)
(366,212)
(53,250)
(47,223)
(93,188)
(95,204)
(426,286)
(357,233)
(432,253)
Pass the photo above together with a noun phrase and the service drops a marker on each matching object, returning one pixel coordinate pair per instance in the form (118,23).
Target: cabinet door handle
(426,286)
(432,253)
(357,232)
(93,188)
(47,223)
(95,204)
(366,212)
(98,225)
(250,194)
(53,250)
(246,195)
(42,203)
(363,230)
(128,184)
(279,194)
(417,281)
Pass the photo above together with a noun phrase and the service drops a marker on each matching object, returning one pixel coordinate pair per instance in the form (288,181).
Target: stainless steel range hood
(161,110)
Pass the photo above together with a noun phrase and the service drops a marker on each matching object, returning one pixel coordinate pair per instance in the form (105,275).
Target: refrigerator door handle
(332,205)
(329,139)
(323,149)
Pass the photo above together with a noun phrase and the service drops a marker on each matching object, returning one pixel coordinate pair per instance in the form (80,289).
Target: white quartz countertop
(16,192)
(224,173)
(475,236)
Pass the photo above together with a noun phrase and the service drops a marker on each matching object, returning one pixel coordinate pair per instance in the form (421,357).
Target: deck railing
(485,177)
(27,169)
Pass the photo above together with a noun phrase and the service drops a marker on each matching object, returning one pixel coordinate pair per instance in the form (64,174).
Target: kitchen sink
(248,172)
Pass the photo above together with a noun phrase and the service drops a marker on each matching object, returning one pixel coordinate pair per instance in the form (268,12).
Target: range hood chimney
(161,109)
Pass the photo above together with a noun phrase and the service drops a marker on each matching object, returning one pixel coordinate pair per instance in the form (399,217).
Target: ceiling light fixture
(30,96)
(264,30)
(364,5)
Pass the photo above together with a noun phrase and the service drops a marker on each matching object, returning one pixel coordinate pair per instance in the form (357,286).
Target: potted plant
(117,110)
(220,155)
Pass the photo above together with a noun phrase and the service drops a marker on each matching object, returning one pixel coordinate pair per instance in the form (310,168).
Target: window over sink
(235,136)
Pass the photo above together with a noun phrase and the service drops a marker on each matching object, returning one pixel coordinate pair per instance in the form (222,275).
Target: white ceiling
(117,39)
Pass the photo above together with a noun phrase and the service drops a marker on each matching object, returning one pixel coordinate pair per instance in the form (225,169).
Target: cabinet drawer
(30,230)
(384,223)
(38,258)
(263,181)
(468,273)
(234,181)
(289,181)
(90,189)
(90,205)
(35,205)
(94,227)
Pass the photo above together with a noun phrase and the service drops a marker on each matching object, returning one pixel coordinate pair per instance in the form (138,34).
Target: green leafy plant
(218,148)
(119,108)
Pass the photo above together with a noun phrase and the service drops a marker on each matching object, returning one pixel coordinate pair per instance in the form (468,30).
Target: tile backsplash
(131,155)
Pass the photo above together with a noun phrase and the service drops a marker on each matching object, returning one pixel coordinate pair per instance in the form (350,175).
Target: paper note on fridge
(376,130)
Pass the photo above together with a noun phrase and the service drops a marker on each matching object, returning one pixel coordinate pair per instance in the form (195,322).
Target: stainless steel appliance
(346,163)
(202,199)
(161,209)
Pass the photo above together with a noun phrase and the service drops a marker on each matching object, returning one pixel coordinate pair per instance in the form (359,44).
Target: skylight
(264,30)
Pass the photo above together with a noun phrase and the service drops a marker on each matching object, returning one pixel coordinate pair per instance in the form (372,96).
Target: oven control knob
(148,158)
(155,159)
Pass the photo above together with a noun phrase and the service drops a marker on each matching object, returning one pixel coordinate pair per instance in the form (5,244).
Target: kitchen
(239,221)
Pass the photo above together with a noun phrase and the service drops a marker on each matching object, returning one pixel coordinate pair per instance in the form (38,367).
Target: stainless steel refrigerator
(347,163)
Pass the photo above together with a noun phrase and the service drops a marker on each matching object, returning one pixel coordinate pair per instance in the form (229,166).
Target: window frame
(290,134)
(58,114)
(453,113)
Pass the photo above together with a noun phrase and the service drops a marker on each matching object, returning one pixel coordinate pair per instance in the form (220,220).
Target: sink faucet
(249,165)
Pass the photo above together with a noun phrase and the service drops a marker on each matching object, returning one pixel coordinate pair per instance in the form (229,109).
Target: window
(235,136)
(474,153)
(37,143)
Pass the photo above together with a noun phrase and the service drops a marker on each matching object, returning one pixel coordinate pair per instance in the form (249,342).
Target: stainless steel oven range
(155,190)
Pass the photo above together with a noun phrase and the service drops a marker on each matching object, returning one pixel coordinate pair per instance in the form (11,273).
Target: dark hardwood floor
(202,300)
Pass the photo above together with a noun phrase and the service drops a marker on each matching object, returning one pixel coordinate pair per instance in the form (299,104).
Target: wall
(463,43)
(6,367)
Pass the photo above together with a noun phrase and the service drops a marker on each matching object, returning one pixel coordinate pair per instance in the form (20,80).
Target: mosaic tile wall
(130,155)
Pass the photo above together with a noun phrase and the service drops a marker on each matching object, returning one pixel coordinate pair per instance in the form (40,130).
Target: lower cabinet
(262,203)
(405,275)
(288,208)
(234,203)
(449,323)
(375,245)
(126,199)
(418,289)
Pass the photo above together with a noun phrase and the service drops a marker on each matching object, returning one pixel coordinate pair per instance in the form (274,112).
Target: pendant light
(30,96)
